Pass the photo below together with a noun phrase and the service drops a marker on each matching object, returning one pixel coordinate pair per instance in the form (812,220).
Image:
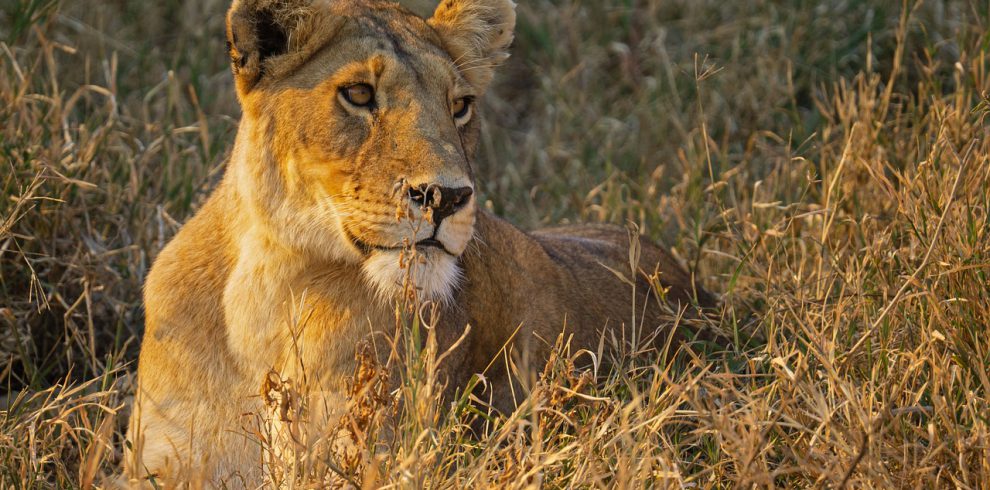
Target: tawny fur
(284,270)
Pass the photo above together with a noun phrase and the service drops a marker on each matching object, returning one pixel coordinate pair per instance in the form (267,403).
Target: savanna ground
(821,165)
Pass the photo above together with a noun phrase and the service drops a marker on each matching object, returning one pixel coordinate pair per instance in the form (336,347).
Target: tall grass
(821,165)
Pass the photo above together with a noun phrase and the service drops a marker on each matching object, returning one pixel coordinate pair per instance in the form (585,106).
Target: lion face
(359,128)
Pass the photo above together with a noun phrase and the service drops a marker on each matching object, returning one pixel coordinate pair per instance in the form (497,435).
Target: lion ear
(258,30)
(477,33)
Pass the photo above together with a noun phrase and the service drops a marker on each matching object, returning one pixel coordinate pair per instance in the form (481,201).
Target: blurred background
(721,129)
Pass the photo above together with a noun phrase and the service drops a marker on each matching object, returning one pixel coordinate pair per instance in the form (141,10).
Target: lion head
(359,128)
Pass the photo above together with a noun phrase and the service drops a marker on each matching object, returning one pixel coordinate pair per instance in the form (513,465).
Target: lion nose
(444,201)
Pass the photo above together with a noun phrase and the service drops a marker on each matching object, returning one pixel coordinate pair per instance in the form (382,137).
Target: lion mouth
(431,242)
(427,243)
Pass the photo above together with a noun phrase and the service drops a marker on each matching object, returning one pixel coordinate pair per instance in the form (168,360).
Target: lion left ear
(477,33)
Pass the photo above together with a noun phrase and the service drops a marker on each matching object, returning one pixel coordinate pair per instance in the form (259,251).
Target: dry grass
(822,165)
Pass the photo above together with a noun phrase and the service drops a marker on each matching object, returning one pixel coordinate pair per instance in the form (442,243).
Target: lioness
(356,144)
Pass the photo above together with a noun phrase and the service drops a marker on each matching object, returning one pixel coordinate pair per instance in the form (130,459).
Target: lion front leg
(319,436)
(173,442)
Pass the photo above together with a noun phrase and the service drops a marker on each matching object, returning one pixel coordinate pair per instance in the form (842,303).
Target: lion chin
(432,274)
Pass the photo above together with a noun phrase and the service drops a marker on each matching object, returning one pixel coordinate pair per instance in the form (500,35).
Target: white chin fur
(434,275)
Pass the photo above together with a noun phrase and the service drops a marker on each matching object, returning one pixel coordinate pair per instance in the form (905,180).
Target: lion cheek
(456,232)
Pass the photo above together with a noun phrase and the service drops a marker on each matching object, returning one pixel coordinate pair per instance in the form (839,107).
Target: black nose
(444,201)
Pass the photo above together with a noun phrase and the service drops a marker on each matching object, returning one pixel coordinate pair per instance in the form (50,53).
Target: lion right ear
(258,30)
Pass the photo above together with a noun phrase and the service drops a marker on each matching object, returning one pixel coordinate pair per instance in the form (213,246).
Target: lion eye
(461,107)
(359,94)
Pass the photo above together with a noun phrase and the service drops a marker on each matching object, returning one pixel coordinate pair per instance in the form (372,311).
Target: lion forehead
(337,33)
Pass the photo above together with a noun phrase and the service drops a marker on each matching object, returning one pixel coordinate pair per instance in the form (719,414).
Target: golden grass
(822,165)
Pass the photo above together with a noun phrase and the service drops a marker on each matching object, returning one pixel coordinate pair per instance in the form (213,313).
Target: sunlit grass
(821,165)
